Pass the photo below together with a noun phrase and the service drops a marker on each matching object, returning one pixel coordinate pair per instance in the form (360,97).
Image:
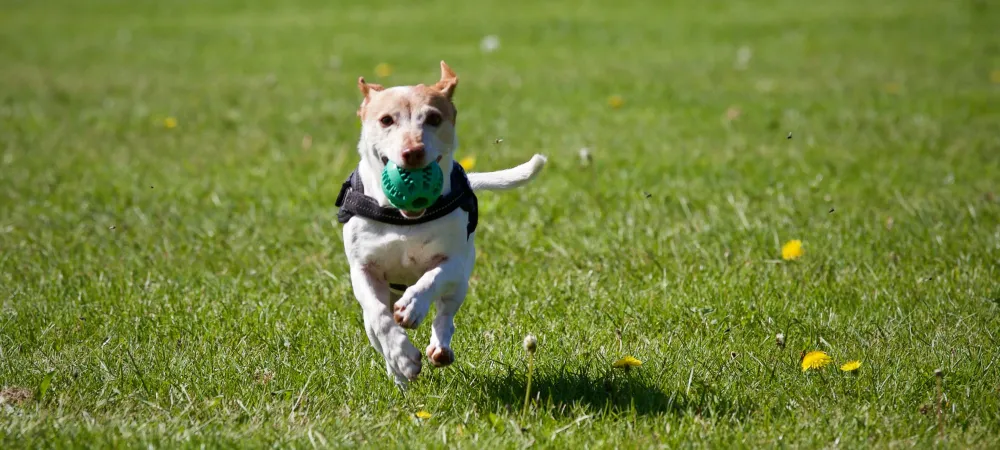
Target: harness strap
(352,201)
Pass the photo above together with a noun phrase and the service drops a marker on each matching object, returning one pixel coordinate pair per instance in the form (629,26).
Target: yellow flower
(170,123)
(468,162)
(891,88)
(422,414)
(383,70)
(851,366)
(616,101)
(626,362)
(815,360)
(791,250)
(995,76)
(733,113)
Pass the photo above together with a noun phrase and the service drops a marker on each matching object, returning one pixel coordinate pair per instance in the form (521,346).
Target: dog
(402,261)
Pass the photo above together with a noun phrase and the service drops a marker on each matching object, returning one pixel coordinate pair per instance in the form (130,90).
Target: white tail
(507,178)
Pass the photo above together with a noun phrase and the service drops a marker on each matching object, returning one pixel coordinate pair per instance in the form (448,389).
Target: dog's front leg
(446,284)
(410,310)
(402,359)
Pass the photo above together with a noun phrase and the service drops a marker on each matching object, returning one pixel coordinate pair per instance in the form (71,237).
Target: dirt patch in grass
(15,395)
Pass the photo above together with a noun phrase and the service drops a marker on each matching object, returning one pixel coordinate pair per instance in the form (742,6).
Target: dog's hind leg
(443,328)
(402,359)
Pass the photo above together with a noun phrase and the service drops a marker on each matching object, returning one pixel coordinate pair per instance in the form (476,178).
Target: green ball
(412,190)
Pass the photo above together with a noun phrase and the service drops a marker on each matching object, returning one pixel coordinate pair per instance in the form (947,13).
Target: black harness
(352,201)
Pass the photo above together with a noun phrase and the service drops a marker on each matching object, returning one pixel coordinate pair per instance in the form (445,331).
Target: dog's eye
(386,120)
(433,119)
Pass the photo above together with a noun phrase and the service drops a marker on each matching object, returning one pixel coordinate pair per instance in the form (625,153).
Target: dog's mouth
(418,213)
(385,159)
(412,214)
(408,214)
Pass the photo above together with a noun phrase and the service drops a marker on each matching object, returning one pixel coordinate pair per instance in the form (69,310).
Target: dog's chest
(403,254)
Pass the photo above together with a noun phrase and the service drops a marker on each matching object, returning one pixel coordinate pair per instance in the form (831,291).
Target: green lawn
(186,285)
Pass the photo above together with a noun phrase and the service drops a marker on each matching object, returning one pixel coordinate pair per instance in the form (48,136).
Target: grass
(183,286)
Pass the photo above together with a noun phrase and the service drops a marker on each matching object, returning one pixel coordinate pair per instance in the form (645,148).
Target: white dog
(401,261)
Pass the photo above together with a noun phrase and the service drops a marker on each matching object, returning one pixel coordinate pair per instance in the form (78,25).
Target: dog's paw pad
(440,356)
(408,313)
(399,314)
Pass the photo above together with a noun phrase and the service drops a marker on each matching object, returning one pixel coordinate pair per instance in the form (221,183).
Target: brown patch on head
(439,95)
(389,101)
(439,100)
(15,395)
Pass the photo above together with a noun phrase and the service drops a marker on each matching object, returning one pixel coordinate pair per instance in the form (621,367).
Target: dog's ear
(366,89)
(448,81)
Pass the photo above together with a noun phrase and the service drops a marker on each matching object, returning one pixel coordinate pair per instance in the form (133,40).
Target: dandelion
(815,360)
(489,44)
(626,363)
(468,162)
(585,156)
(422,414)
(383,70)
(170,123)
(792,250)
(616,101)
(850,366)
(780,340)
(530,345)
(995,76)
(891,88)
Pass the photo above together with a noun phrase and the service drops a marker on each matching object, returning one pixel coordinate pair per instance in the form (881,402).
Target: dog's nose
(414,156)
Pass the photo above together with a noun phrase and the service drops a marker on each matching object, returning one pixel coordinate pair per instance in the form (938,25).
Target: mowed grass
(180,286)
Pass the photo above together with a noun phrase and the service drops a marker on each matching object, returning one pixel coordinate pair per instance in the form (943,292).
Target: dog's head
(412,126)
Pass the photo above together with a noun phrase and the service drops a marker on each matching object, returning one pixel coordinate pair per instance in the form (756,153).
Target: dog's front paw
(404,361)
(410,310)
(440,356)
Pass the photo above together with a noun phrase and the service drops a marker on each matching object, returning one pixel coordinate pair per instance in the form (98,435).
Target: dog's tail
(507,178)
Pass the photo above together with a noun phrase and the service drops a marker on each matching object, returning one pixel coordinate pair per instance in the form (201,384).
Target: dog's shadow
(609,392)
